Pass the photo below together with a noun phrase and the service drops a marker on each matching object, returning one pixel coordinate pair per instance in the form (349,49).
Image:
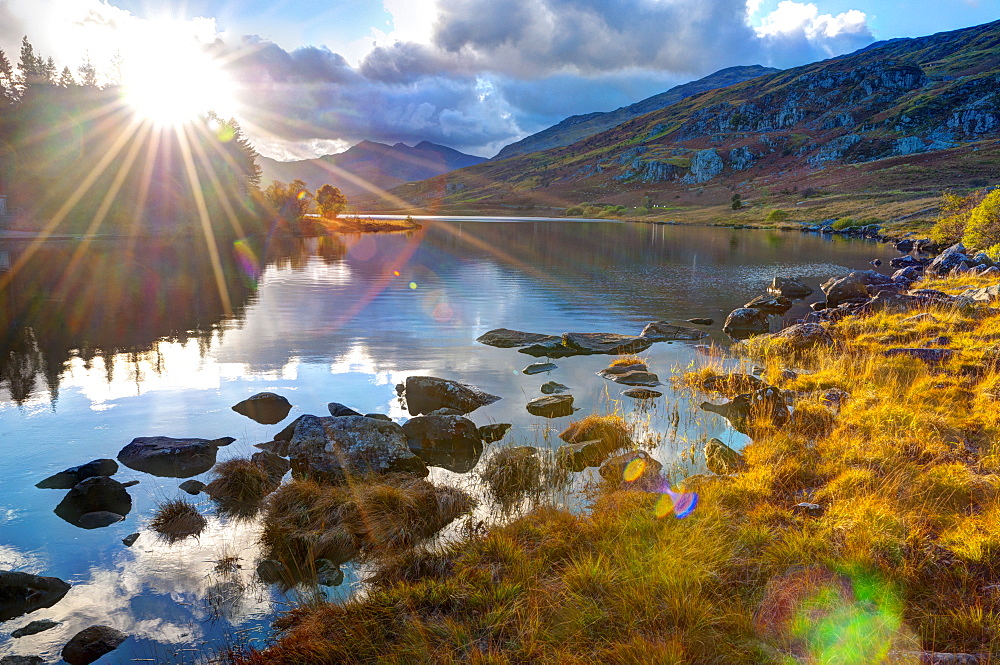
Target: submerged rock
(424,394)
(701,321)
(23,593)
(450,442)
(762,408)
(606,343)
(661,331)
(641,393)
(504,338)
(553,406)
(95,502)
(265,408)
(34,628)
(171,458)
(64,480)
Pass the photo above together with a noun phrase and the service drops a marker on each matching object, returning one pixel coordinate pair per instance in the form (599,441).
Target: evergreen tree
(33,68)
(87,72)
(49,70)
(8,89)
(66,79)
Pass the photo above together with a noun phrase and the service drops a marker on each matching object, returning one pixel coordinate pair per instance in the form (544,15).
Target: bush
(994,252)
(983,229)
(778,216)
(954,216)
(574,211)
(844,223)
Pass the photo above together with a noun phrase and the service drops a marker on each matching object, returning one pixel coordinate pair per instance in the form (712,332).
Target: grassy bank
(899,552)
(357,224)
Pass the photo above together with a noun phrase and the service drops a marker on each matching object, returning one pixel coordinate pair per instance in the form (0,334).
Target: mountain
(906,104)
(578,127)
(370,166)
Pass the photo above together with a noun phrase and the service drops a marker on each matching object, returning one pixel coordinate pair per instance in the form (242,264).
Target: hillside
(578,127)
(370,166)
(873,110)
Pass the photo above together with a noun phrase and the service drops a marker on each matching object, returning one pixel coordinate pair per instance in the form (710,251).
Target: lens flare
(247,259)
(634,469)
(681,504)
(413,285)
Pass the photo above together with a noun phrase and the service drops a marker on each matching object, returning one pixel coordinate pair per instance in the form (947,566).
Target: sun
(170,79)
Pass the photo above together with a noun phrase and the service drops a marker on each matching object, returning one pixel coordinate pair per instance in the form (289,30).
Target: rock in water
(745,322)
(504,338)
(22,593)
(65,480)
(789,287)
(450,442)
(607,343)
(493,432)
(701,321)
(770,304)
(723,460)
(337,409)
(539,367)
(579,456)
(747,413)
(192,487)
(95,502)
(424,394)
(34,628)
(641,393)
(171,458)
(635,469)
(554,406)
(843,289)
(661,331)
(551,387)
(91,643)
(265,408)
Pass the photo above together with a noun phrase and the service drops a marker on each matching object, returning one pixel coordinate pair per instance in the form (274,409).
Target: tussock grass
(514,475)
(176,520)
(239,485)
(902,555)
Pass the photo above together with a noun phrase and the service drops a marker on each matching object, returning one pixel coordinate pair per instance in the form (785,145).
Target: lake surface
(110,340)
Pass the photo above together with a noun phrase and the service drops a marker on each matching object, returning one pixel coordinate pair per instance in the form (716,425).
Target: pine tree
(87,72)
(49,70)
(66,79)
(8,89)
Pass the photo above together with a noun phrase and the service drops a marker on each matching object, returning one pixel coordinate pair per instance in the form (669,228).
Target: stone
(23,593)
(97,494)
(661,331)
(636,377)
(34,628)
(539,367)
(445,411)
(275,466)
(424,394)
(493,432)
(171,458)
(130,483)
(906,262)
(337,409)
(635,469)
(789,288)
(22,660)
(723,460)
(870,277)
(264,408)
(770,304)
(130,539)
(905,246)
(553,348)
(803,336)
(929,356)
(908,274)
(641,393)
(950,259)
(605,343)
(984,294)
(749,412)
(91,643)
(835,398)
(504,338)
(551,387)
(701,321)
(449,442)
(335,449)
(843,289)
(810,509)
(65,480)
(192,487)
(745,322)
(379,416)
(328,573)
(579,456)
(553,406)
(276,447)
(271,571)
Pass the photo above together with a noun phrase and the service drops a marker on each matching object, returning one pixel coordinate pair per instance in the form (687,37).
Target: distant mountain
(578,127)
(370,166)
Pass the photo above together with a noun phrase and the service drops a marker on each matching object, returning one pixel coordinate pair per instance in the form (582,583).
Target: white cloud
(792,17)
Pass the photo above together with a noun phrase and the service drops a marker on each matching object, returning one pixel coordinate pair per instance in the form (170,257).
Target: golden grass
(177,519)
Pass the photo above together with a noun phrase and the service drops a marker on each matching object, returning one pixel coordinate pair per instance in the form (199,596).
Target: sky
(313,77)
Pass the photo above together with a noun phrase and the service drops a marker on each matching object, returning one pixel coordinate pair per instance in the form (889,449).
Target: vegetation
(983,229)
(778,215)
(240,485)
(330,201)
(956,209)
(177,519)
(515,474)
(852,223)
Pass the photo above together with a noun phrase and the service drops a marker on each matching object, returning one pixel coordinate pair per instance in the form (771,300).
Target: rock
(745,322)
(64,480)
(337,409)
(606,343)
(701,321)
(130,539)
(91,643)
(130,483)
(804,336)
(275,466)
(905,246)
(335,449)
(870,277)
(192,487)
(22,660)
(507,339)
(551,387)
(789,288)
(818,306)
(539,367)
(789,375)
(810,509)
(835,398)
(876,262)
(553,406)
(614,370)
(445,411)
(661,331)
(906,262)
(450,442)
(276,447)
(34,628)
(171,458)
(723,460)
(271,571)
(635,469)
(23,593)
(579,456)
(950,259)
(553,348)
(424,394)
(328,573)
(770,304)
(493,432)
(843,289)
(265,408)
(929,356)
(984,294)
(907,275)
(636,377)
(98,494)
(762,408)
(641,393)
(379,416)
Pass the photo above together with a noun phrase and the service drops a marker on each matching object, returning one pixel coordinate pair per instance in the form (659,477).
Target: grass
(176,520)
(356,224)
(239,486)
(514,475)
(903,554)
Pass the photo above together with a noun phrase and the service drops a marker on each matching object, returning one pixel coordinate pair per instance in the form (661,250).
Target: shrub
(954,216)
(778,215)
(737,203)
(574,211)
(844,223)
(983,228)
(994,252)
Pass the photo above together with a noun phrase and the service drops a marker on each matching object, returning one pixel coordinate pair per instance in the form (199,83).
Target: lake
(114,339)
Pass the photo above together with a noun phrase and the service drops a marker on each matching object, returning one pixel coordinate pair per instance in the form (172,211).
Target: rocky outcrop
(91,643)
(705,165)
(64,480)
(171,458)
(424,394)
(22,593)
(264,408)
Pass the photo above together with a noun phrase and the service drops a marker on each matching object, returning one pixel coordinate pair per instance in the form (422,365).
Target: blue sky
(317,76)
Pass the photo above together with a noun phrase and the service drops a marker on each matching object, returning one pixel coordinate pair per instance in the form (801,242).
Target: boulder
(929,356)
(335,449)
(98,494)
(789,288)
(905,246)
(635,377)
(984,294)
(424,394)
(579,456)
(641,393)
(275,466)
(661,331)
(906,262)
(804,336)
(606,343)
(635,469)
(337,409)
(748,412)
(504,338)
(551,387)
(701,321)
(950,259)
(553,406)
(129,540)
(64,480)
(723,460)
(770,304)
(277,447)
(552,348)
(493,432)
(22,593)
(34,628)
(192,487)
(870,277)
(908,274)
(265,408)
(745,322)
(539,367)
(450,442)
(842,289)
(91,643)
(171,458)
